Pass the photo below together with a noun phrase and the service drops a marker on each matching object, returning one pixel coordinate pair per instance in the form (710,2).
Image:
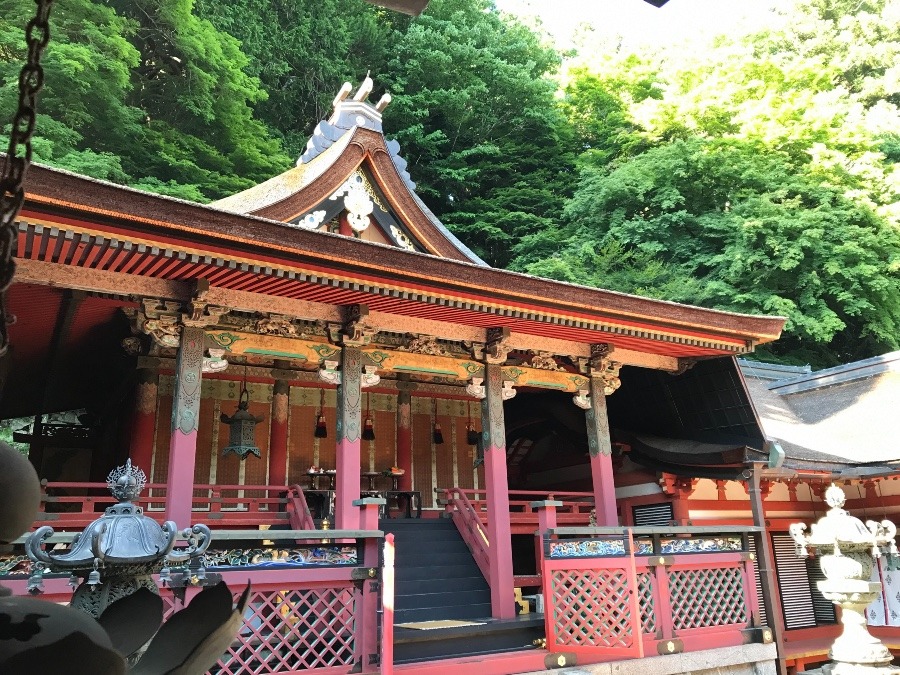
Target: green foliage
(143,93)
(733,225)
(759,174)
(301,51)
(475,116)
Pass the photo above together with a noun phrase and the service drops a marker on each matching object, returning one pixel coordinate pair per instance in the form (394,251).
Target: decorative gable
(353,182)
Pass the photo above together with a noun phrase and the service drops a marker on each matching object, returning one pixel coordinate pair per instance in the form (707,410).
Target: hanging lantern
(241,439)
(368,433)
(436,434)
(321,428)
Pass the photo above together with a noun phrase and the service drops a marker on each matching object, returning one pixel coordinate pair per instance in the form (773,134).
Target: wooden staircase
(437,578)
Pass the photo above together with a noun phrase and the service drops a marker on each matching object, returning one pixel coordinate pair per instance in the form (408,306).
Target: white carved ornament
(475,388)
(508,391)
(369,377)
(357,200)
(329,373)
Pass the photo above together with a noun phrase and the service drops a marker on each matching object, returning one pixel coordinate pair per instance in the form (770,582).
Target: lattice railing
(591,608)
(599,603)
(291,630)
(315,618)
(701,598)
(646,603)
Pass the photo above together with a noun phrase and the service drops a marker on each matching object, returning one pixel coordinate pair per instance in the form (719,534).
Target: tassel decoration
(321,430)
(368,432)
(436,434)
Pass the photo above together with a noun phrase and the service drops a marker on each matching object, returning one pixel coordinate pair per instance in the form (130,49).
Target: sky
(638,22)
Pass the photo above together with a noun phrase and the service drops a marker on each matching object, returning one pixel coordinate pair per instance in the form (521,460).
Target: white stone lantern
(848,550)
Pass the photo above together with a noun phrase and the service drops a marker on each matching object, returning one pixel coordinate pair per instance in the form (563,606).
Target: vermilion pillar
(185,414)
(404,433)
(143,419)
(349,431)
(600,449)
(278,432)
(499,531)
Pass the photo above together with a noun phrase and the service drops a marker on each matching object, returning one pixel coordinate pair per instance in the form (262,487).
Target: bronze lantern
(241,440)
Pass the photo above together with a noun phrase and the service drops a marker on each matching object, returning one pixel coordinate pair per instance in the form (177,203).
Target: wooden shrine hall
(363,350)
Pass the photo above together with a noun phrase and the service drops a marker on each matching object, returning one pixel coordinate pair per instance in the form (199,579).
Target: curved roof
(348,155)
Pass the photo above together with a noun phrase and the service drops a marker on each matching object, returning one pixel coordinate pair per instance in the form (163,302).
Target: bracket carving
(369,377)
(582,399)
(329,373)
(673,485)
(163,320)
(215,362)
(543,361)
(355,332)
(602,366)
(497,348)
(475,388)
(423,344)
(197,313)
(508,391)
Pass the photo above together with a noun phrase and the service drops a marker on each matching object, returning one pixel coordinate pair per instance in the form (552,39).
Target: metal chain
(18,157)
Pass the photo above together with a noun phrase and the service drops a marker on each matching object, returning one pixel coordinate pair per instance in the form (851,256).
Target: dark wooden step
(442,598)
(461,612)
(413,586)
(492,637)
(434,559)
(440,572)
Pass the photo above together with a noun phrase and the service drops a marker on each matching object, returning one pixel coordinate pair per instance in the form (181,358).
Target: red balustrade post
(185,417)
(387,606)
(143,419)
(546,510)
(278,431)
(367,599)
(665,623)
(499,529)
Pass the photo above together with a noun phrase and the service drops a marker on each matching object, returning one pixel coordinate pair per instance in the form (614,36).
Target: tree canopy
(758,173)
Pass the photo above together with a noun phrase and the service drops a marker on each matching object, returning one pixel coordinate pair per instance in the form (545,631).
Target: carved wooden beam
(116,283)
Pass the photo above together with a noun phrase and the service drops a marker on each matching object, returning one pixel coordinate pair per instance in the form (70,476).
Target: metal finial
(126,482)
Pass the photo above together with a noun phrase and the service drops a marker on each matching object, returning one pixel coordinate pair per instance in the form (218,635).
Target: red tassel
(368,433)
(321,428)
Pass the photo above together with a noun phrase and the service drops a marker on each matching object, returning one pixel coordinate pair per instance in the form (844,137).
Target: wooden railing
(615,593)
(575,510)
(470,526)
(299,515)
(75,505)
(320,618)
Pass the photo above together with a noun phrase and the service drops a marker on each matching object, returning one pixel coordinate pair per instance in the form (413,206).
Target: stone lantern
(117,553)
(847,551)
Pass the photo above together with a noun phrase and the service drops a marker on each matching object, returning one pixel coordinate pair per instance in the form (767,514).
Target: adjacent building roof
(832,419)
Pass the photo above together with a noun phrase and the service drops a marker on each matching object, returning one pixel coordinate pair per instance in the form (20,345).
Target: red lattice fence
(626,605)
(294,630)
